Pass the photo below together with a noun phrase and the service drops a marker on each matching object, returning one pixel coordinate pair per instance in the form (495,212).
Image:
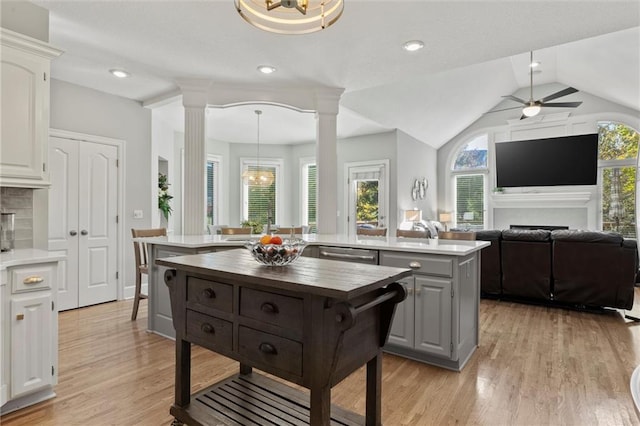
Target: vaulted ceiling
(475,52)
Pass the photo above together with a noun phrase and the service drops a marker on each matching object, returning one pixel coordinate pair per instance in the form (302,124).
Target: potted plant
(163,196)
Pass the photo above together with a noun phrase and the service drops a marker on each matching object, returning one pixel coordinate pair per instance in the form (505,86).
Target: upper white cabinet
(25,65)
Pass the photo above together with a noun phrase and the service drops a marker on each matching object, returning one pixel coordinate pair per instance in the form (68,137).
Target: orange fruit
(276,240)
(266,239)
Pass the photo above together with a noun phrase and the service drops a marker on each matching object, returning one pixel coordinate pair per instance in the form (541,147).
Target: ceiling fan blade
(503,109)
(562,104)
(513,98)
(561,93)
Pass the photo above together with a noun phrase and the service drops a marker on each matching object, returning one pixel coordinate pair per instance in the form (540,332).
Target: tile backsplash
(20,202)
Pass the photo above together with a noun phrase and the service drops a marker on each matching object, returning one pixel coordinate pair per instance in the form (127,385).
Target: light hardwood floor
(535,366)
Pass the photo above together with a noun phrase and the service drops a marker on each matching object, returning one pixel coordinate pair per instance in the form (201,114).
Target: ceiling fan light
(531,110)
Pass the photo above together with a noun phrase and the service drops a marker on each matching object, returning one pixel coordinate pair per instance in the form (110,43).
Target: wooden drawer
(276,309)
(210,332)
(268,350)
(211,294)
(33,277)
(419,263)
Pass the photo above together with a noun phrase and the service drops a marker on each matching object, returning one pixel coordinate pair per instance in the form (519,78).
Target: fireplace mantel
(541,200)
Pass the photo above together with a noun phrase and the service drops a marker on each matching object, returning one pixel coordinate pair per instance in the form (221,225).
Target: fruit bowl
(276,254)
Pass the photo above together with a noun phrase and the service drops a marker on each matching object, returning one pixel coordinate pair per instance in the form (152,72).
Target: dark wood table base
(254,399)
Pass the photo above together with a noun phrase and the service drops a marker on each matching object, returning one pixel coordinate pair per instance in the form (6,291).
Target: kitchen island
(312,323)
(437,323)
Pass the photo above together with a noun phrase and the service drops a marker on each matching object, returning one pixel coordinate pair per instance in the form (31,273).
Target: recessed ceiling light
(266,69)
(119,73)
(413,45)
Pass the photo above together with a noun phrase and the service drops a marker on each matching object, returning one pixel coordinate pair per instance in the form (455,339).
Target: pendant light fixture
(290,16)
(257,176)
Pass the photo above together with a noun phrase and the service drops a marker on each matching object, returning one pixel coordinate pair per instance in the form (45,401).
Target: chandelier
(255,176)
(290,16)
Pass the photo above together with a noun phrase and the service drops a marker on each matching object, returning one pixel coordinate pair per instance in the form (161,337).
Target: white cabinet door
(402,327)
(24,124)
(433,315)
(31,344)
(83,209)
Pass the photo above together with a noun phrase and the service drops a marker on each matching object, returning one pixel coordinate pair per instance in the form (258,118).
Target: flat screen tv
(567,160)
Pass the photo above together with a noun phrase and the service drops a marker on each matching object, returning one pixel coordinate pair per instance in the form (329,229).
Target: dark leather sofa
(589,269)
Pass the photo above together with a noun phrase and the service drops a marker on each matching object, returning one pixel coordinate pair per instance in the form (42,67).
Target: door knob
(84,232)
(73,233)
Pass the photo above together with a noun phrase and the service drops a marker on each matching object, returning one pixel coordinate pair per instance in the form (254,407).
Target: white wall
(581,120)
(78,109)
(416,160)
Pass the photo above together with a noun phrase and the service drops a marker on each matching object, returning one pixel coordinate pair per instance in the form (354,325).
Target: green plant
(256,227)
(163,195)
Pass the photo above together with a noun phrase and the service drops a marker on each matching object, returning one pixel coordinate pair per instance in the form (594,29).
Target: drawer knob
(268,348)
(33,279)
(207,328)
(269,308)
(415,265)
(209,293)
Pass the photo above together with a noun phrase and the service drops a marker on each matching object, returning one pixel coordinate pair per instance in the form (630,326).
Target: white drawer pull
(415,265)
(33,279)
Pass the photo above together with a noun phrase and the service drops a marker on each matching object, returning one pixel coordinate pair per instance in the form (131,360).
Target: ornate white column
(327,163)
(194,164)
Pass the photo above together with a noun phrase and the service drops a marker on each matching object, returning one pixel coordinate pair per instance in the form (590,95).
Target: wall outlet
(137,214)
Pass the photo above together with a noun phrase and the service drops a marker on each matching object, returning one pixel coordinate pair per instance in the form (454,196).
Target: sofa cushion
(526,235)
(587,236)
(488,235)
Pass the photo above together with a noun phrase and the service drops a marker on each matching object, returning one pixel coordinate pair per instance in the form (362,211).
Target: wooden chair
(457,235)
(235,231)
(288,231)
(140,252)
(410,233)
(372,232)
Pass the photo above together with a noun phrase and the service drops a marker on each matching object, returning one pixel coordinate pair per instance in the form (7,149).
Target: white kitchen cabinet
(25,65)
(29,330)
(438,321)
(31,348)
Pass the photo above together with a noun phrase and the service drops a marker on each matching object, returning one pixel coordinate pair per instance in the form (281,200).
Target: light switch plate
(137,214)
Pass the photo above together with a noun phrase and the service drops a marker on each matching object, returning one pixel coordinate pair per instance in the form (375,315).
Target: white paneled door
(83,220)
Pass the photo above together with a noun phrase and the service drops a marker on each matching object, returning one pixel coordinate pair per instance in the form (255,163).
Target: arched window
(469,174)
(618,156)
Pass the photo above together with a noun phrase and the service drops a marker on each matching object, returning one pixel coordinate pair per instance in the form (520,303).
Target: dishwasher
(349,254)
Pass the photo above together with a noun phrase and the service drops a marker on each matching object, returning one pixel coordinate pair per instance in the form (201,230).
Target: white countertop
(27,256)
(434,246)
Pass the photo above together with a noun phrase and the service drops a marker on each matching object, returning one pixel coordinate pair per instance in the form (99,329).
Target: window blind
(470,201)
(212,198)
(262,199)
(311,197)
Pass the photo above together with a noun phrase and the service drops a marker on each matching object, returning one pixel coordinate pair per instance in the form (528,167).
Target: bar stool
(235,231)
(140,252)
(372,232)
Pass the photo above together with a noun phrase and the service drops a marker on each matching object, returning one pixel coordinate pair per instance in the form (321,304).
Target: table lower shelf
(254,399)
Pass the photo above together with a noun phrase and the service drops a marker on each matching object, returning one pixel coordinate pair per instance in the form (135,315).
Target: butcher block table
(312,323)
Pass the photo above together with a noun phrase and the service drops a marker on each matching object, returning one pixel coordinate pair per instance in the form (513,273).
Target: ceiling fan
(532,108)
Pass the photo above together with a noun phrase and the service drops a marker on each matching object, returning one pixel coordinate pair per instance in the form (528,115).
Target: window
(212,190)
(261,202)
(308,186)
(618,152)
(470,201)
(469,171)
